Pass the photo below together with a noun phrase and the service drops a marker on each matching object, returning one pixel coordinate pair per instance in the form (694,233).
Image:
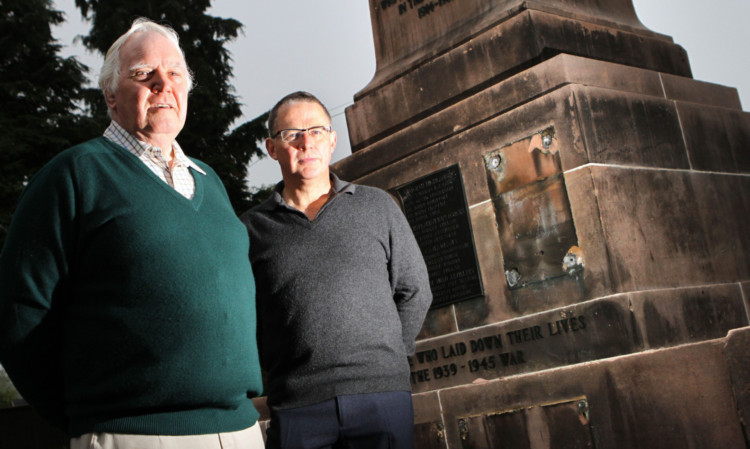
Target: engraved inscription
(421,8)
(489,355)
(435,207)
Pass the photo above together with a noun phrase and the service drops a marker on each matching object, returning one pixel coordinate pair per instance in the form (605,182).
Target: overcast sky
(326,48)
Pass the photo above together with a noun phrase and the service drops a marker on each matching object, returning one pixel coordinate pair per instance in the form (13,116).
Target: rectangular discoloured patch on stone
(564,424)
(659,399)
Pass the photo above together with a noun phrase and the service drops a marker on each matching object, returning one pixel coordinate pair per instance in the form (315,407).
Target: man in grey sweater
(342,291)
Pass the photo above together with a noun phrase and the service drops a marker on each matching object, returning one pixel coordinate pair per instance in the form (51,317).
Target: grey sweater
(340,299)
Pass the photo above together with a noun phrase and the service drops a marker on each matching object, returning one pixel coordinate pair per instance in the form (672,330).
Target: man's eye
(140,75)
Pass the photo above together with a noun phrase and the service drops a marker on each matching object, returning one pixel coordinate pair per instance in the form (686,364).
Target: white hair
(110,74)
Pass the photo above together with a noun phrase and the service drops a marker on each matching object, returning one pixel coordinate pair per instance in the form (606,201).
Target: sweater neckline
(197,198)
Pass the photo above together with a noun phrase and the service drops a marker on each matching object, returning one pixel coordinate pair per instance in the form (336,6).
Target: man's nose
(307,141)
(161,81)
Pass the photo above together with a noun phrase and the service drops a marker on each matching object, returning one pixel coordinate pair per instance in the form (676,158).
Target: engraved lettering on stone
(489,355)
(421,8)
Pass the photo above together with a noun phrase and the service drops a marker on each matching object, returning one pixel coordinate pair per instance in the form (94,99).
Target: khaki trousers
(250,438)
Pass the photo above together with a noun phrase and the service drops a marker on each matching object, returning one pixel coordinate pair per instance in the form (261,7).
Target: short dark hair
(294,97)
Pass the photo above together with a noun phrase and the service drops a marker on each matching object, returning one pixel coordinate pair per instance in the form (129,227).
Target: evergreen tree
(212,106)
(8,392)
(40,94)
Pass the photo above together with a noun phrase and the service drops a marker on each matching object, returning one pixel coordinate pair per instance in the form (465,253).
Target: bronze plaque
(435,206)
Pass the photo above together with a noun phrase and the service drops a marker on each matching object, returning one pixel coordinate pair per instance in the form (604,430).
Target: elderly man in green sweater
(127,303)
(342,293)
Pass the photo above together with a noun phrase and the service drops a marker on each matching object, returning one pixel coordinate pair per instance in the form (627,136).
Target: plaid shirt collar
(118,135)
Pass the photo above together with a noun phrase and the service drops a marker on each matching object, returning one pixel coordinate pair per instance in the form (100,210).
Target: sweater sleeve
(410,283)
(33,273)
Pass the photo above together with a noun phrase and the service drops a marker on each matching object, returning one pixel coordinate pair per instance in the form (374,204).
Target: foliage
(260,194)
(40,93)
(213,107)
(47,108)
(8,393)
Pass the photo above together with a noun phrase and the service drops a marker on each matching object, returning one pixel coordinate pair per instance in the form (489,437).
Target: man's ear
(109,97)
(334,139)
(271,148)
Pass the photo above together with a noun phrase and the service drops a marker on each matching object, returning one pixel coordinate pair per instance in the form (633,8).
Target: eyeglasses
(291,135)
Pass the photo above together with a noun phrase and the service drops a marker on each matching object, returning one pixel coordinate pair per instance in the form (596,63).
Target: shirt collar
(340,186)
(120,136)
(276,199)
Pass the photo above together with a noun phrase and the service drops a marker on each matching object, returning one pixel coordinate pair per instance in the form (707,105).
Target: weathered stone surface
(738,360)
(490,308)
(677,316)
(717,139)
(617,190)
(467,148)
(560,425)
(584,205)
(426,407)
(590,125)
(438,322)
(536,233)
(630,129)
(681,88)
(667,228)
(584,332)
(523,162)
(632,235)
(496,99)
(436,158)
(620,324)
(660,399)
(493,307)
(542,79)
(408,32)
(388,105)
(429,429)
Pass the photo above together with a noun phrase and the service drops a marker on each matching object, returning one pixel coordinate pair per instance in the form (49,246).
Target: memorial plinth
(607,196)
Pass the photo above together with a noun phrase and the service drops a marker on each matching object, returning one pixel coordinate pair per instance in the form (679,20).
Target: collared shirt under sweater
(340,298)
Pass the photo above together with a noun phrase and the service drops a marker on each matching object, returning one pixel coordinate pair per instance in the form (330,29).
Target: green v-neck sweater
(124,306)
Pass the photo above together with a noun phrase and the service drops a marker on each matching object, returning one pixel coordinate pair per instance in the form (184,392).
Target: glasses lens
(289,135)
(316,132)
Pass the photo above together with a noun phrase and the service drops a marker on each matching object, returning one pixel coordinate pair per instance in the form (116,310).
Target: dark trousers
(362,421)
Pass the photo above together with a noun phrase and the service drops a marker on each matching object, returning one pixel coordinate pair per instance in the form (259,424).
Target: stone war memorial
(582,204)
